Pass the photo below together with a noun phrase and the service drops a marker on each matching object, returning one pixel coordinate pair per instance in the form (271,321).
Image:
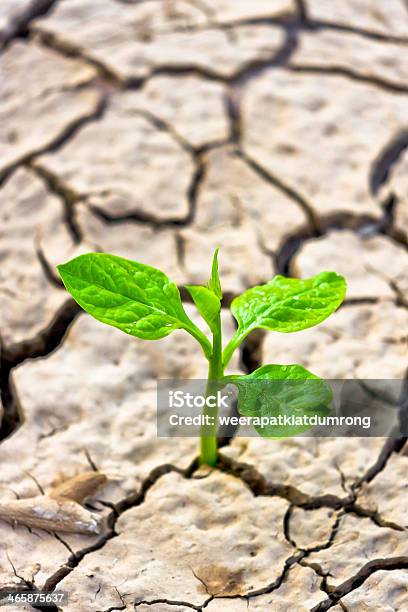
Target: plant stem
(232,345)
(208,454)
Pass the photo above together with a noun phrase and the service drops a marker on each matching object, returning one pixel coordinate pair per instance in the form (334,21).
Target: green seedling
(143,302)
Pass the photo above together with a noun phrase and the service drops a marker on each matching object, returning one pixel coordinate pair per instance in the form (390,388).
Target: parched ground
(157,130)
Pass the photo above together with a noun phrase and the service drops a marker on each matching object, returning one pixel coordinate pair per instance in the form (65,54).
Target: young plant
(143,302)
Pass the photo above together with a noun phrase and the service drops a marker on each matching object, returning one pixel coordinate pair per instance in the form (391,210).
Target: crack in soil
(391,446)
(18,24)
(318,225)
(45,341)
(280,184)
(67,132)
(39,346)
(348,73)
(301,9)
(71,197)
(273,586)
(151,220)
(63,192)
(67,48)
(259,486)
(302,21)
(386,158)
(319,571)
(351,584)
(169,602)
(245,72)
(296,558)
(131,501)
(112,608)
(323,24)
(49,270)
(232,104)
(12,410)
(389,229)
(255,67)
(310,549)
(163,126)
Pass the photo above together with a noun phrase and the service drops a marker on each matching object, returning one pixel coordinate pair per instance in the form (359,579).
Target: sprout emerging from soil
(143,302)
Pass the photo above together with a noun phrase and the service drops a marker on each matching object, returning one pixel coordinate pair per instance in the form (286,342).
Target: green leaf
(207,302)
(214,283)
(138,299)
(276,391)
(286,305)
(208,299)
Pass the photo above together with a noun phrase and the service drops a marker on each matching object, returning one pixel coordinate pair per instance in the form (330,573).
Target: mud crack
(40,345)
(168,602)
(259,486)
(346,587)
(131,501)
(46,341)
(351,74)
(69,49)
(67,132)
(18,25)
(65,193)
(13,414)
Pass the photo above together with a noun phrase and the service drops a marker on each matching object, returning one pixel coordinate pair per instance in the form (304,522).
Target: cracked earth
(158,130)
